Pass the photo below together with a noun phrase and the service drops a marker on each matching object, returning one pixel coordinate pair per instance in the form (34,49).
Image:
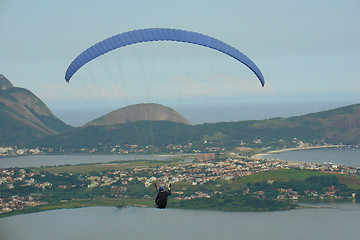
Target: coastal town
(25,188)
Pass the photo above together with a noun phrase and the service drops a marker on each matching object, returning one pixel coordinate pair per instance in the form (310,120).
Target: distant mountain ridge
(337,126)
(342,125)
(24,116)
(26,120)
(139,112)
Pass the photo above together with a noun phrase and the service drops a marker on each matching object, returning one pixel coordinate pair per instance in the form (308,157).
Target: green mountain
(26,120)
(24,117)
(341,125)
(337,126)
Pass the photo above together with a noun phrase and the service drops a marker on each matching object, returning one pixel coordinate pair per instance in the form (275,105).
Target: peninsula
(228,181)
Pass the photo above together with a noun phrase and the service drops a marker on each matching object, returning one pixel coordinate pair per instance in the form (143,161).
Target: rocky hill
(139,112)
(23,116)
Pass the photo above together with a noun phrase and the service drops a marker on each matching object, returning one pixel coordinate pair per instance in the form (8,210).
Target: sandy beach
(260,155)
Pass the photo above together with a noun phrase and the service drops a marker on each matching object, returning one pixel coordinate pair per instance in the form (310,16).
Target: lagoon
(337,221)
(345,156)
(72,159)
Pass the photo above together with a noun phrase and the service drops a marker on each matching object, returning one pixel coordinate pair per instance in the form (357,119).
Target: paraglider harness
(161,197)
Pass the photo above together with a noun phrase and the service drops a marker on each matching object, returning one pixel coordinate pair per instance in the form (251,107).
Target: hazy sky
(308,52)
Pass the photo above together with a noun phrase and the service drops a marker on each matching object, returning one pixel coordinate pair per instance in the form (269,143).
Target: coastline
(146,203)
(261,155)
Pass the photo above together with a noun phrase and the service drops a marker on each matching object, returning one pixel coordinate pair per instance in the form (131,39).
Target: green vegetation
(352,182)
(282,175)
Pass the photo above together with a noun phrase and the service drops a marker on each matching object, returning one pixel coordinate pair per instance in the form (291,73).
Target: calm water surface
(72,159)
(340,222)
(345,156)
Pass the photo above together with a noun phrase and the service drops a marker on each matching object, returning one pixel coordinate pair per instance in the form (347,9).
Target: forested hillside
(338,126)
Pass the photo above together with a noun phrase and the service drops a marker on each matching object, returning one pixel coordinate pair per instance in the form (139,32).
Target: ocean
(348,156)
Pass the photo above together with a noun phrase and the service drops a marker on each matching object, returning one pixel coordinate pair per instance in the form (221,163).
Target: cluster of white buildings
(12,151)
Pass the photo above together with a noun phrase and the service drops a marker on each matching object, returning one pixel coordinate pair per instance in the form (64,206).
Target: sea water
(349,156)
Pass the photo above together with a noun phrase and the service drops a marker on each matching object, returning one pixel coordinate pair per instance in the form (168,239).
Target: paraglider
(150,35)
(159,34)
(162,196)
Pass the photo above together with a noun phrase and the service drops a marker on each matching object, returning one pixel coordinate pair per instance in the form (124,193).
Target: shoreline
(260,155)
(140,203)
